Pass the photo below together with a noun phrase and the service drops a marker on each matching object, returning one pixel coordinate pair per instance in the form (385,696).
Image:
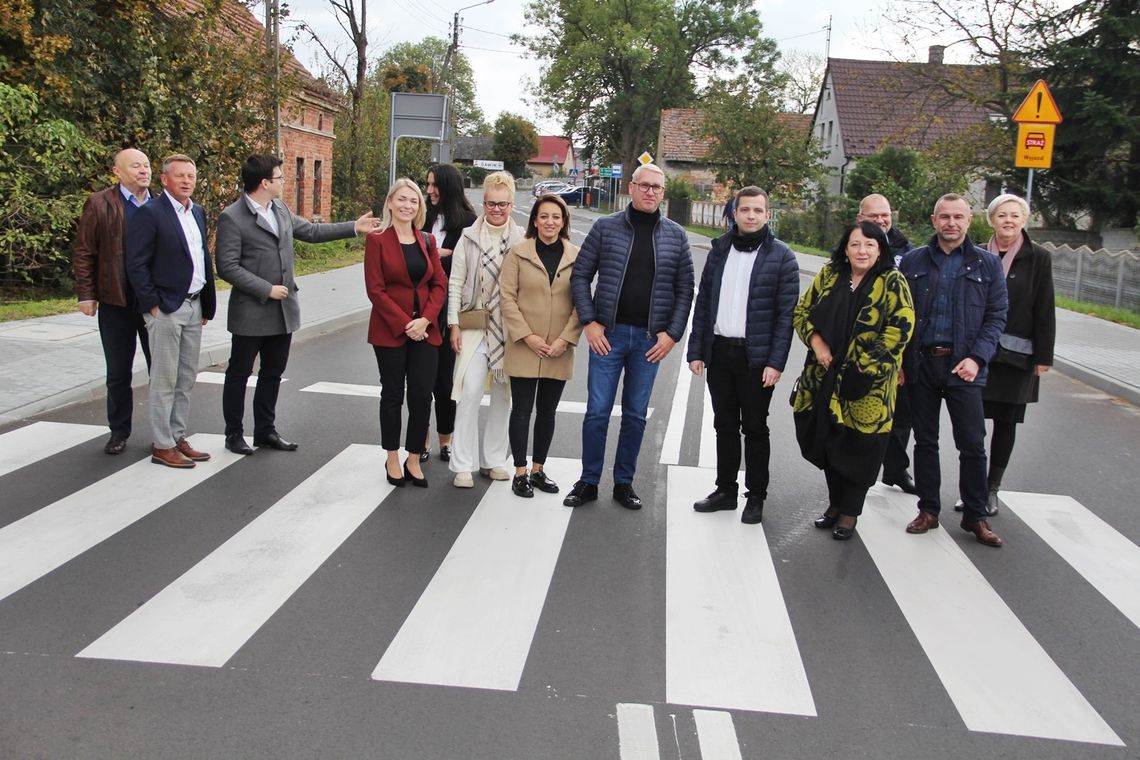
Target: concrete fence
(701,213)
(1102,277)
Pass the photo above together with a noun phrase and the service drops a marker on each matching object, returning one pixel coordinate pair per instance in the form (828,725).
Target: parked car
(550,186)
(576,196)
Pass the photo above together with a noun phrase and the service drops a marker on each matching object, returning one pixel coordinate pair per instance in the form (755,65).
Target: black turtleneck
(747,242)
(550,255)
(637,287)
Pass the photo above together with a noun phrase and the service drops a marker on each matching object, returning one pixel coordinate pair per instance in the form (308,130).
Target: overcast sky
(502,70)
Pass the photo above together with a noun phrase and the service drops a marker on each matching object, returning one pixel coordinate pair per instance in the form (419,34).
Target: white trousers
(466,453)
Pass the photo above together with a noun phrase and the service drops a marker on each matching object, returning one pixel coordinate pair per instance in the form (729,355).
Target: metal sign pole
(1029,190)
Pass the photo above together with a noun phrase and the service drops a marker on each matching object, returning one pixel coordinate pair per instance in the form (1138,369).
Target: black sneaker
(581,493)
(543,483)
(753,511)
(716,500)
(625,495)
(521,486)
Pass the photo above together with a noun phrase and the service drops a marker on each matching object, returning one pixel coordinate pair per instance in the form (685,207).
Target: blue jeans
(628,346)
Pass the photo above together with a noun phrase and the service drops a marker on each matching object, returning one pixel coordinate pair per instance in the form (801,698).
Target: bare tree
(804,77)
(352,67)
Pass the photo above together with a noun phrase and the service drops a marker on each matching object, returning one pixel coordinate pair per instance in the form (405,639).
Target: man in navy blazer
(168,264)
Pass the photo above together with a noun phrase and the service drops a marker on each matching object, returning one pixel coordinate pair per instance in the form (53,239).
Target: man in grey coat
(254,252)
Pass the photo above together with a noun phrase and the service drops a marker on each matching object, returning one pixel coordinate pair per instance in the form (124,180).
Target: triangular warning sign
(1038,107)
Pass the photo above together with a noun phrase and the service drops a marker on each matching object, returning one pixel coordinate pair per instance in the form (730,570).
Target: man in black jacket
(742,331)
(896,464)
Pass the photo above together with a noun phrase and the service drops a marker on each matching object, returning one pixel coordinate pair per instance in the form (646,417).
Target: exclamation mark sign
(1039,96)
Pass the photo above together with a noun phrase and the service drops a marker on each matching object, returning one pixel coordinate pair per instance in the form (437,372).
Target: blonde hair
(499,179)
(421,212)
(647,168)
(1003,199)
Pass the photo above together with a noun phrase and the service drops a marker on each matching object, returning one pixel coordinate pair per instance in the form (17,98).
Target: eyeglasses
(497,205)
(648,188)
(278,177)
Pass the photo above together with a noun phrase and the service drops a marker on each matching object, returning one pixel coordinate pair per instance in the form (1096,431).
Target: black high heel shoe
(844,534)
(417,482)
(825,520)
(398,482)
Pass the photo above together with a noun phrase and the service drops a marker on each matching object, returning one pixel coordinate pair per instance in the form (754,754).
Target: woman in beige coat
(542,330)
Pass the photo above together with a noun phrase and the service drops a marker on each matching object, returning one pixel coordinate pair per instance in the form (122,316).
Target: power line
(485,31)
(805,34)
(519,53)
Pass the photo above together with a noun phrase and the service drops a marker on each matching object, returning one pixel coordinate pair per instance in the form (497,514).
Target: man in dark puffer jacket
(742,331)
(632,320)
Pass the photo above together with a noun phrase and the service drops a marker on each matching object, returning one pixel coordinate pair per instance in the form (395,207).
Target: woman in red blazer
(406,286)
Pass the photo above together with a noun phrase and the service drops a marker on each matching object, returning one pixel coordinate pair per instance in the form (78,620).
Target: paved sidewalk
(51,362)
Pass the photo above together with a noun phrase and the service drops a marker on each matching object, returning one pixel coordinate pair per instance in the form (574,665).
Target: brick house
(864,106)
(681,148)
(306,120)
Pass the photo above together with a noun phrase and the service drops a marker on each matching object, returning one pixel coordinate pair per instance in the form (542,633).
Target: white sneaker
(495,473)
(463,480)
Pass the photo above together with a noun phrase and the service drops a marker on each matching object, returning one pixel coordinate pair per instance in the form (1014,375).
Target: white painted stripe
(39,543)
(671,445)
(996,674)
(373,391)
(208,614)
(219,378)
(23,446)
(637,732)
(708,433)
(474,624)
(1096,550)
(729,641)
(717,735)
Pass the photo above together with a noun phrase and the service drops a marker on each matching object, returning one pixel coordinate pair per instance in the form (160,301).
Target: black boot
(994,483)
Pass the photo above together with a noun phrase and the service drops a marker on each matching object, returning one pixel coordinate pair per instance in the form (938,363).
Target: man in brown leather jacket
(102,287)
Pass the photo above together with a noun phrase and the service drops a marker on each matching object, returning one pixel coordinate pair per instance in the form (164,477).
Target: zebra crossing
(730,642)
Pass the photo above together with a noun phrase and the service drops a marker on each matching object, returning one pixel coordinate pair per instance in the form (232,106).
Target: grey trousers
(175,340)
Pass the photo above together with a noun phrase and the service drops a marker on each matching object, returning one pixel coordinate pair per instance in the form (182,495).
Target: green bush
(678,189)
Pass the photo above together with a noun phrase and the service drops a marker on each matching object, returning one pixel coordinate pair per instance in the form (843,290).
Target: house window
(993,189)
(320,124)
(317,165)
(299,206)
(830,126)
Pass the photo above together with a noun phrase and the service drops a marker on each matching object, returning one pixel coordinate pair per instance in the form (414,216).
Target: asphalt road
(330,617)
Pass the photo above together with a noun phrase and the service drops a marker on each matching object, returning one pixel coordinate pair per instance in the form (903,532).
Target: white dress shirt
(265,212)
(732,309)
(193,235)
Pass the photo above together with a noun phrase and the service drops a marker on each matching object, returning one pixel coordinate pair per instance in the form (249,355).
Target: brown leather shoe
(170,458)
(982,532)
(190,452)
(924,522)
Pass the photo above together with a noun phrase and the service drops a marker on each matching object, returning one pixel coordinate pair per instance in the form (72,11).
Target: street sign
(495,166)
(606,171)
(1034,146)
(645,158)
(572,173)
(1038,107)
(615,170)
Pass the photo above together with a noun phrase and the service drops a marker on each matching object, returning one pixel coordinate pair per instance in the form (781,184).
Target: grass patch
(1125,317)
(809,250)
(709,232)
(32,303)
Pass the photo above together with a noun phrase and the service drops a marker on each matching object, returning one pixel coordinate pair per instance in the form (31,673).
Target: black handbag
(1014,351)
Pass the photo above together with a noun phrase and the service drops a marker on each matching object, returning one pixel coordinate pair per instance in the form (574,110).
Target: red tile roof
(681,127)
(914,105)
(552,150)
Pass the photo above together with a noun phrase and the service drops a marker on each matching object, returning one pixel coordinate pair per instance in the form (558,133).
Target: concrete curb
(1101,382)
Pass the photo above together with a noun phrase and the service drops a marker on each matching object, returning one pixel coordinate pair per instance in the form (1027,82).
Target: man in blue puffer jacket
(742,332)
(632,320)
(960,307)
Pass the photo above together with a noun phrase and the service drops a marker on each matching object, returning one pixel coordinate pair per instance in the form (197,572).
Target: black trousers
(541,395)
(843,495)
(119,328)
(411,365)
(274,352)
(896,461)
(444,406)
(740,404)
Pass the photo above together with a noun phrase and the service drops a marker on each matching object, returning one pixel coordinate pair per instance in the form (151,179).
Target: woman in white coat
(478,335)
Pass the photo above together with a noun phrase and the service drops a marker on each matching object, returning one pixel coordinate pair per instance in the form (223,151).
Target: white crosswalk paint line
(39,543)
(708,433)
(474,624)
(996,674)
(675,431)
(717,735)
(637,732)
(1096,550)
(31,443)
(373,391)
(219,378)
(729,641)
(208,614)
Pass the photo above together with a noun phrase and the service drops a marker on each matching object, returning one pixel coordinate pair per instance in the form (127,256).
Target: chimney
(936,52)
